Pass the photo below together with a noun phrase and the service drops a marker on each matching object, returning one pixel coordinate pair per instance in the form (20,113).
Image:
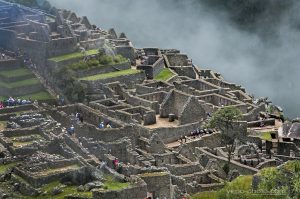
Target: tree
(225,120)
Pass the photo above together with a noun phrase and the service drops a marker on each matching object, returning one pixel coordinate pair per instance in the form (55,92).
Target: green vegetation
(72,88)
(26,82)
(205,195)
(266,136)
(164,75)
(43,95)
(111,75)
(73,55)
(224,120)
(67,190)
(274,183)
(100,62)
(16,73)
(111,184)
(5,167)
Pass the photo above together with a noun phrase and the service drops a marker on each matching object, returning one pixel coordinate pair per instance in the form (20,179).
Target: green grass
(266,136)
(205,195)
(16,73)
(242,183)
(111,75)
(111,184)
(67,190)
(26,82)
(164,75)
(43,95)
(5,167)
(73,55)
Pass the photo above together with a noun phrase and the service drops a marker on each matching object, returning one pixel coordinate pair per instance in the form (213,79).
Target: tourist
(81,118)
(108,125)
(116,162)
(101,125)
(1,105)
(71,130)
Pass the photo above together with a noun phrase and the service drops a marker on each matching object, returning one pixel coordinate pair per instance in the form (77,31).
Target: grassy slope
(164,75)
(26,82)
(111,75)
(242,183)
(16,73)
(73,55)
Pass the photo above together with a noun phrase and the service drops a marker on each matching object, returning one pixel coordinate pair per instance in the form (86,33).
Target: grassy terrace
(67,190)
(16,73)
(26,82)
(43,95)
(57,170)
(73,55)
(266,136)
(111,75)
(164,75)
(5,167)
(111,184)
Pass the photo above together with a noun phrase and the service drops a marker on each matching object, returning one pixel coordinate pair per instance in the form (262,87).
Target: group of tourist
(14,102)
(196,133)
(102,125)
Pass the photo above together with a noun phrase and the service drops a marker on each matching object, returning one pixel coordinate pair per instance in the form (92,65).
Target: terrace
(73,55)
(111,75)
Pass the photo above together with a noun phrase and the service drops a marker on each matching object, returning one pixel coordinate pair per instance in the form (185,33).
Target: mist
(265,64)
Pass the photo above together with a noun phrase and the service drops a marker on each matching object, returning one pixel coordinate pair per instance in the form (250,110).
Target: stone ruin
(153,141)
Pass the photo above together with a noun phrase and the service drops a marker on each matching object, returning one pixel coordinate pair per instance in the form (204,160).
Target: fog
(264,65)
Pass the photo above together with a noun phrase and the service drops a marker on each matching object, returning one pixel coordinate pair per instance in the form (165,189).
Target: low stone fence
(18,109)
(266,122)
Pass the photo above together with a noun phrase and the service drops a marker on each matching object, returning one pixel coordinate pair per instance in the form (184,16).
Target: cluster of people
(102,125)
(196,133)
(14,102)
(200,132)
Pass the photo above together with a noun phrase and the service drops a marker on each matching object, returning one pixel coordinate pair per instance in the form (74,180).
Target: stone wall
(126,51)
(62,46)
(10,64)
(158,183)
(243,169)
(7,39)
(185,71)
(178,59)
(135,191)
(171,134)
(128,80)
